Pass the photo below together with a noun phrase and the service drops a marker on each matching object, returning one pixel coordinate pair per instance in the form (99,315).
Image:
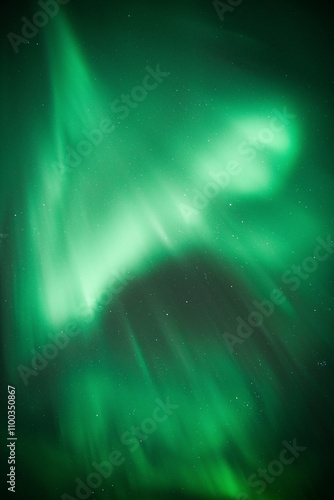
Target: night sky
(167,249)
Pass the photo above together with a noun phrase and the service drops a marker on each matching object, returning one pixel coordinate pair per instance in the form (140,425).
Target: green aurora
(166,221)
